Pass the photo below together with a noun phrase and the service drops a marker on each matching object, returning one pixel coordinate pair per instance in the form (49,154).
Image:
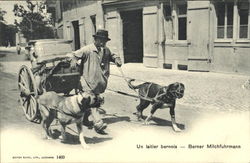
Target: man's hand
(118,62)
(73,63)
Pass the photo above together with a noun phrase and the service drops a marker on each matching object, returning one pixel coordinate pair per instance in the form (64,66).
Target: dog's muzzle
(179,94)
(94,100)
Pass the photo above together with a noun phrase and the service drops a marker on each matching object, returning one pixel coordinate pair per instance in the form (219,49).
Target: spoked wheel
(28,93)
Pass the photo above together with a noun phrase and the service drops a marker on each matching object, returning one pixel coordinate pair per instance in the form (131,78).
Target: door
(132,35)
(198,36)
(150,36)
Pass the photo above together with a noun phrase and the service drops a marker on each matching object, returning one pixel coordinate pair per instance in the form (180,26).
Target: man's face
(100,42)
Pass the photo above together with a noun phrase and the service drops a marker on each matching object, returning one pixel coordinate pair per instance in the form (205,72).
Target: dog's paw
(60,137)
(47,137)
(63,141)
(139,119)
(146,122)
(85,146)
(176,128)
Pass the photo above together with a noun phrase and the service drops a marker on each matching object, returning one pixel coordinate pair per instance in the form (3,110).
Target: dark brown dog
(160,97)
(67,110)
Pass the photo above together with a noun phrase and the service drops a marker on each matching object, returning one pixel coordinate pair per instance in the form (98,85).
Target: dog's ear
(171,86)
(177,85)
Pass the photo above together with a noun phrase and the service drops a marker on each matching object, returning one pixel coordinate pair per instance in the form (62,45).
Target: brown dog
(67,110)
(160,97)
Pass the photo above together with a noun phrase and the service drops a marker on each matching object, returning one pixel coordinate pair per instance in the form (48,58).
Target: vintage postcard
(125,81)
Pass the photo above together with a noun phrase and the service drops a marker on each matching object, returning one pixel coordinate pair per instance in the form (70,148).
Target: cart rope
(123,76)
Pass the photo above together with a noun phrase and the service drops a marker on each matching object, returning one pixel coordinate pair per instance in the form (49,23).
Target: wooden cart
(50,71)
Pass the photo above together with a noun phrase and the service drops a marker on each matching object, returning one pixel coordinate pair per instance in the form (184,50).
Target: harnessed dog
(67,110)
(160,97)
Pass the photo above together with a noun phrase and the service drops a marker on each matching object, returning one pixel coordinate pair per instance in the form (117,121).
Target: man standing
(95,66)
(18,49)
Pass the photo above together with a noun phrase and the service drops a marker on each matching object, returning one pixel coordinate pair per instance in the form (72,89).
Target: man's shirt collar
(94,48)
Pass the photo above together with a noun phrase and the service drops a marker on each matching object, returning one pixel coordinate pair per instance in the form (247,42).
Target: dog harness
(146,94)
(70,107)
(157,96)
(177,93)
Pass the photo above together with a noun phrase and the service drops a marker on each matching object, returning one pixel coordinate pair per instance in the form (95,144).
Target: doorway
(132,36)
(76,35)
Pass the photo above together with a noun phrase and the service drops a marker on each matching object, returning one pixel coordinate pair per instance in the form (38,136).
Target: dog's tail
(131,85)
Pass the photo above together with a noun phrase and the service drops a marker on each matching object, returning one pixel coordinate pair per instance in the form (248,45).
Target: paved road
(214,110)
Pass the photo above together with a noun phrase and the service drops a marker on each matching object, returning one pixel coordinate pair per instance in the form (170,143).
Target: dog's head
(89,99)
(176,90)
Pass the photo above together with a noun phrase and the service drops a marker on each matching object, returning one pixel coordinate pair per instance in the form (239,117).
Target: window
(175,16)
(232,19)
(225,20)
(243,9)
(182,21)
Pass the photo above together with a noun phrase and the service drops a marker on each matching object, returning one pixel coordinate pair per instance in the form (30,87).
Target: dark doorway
(132,36)
(76,34)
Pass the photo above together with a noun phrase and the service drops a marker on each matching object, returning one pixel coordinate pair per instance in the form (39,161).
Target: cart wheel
(28,93)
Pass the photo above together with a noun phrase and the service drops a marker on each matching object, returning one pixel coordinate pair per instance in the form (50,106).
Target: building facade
(208,35)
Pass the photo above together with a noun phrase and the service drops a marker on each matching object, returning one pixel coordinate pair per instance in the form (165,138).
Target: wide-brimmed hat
(101,33)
